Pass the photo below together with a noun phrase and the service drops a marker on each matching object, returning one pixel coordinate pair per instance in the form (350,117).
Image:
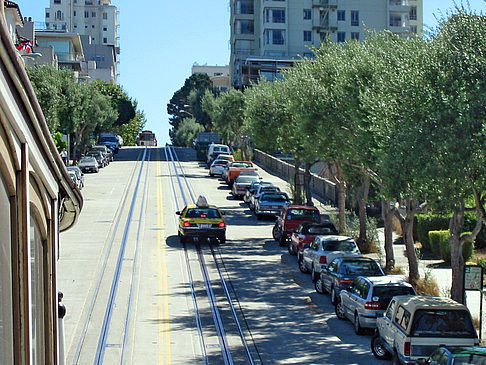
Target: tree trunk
(363,200)
(457,261)
(387,219)
(307,187)
(413,272)
(297,184)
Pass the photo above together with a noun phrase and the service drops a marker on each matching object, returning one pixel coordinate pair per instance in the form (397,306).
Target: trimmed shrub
(430,222)
(440,240)
(435,240)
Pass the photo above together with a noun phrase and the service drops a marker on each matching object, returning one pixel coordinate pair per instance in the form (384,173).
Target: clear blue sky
(161,40)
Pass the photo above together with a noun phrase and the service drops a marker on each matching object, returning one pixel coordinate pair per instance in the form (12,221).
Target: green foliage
(372,243)
(60,144)
(129,131)
(120,101)
(187,131)
(439,242)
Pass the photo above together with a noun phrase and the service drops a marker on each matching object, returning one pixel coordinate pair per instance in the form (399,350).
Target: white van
(216,149)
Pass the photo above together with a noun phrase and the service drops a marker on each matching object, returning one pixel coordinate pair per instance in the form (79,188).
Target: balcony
(324,3)
(399,6)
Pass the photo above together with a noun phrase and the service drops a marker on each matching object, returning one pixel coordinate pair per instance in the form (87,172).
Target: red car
(291,218)
(306,233)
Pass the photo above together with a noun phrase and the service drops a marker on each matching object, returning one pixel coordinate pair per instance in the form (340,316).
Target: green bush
(439,241)
(430,222)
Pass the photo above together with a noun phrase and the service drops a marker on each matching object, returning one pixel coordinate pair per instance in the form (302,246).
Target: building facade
(96,21)
(37,199)
(219,75)
(268,35)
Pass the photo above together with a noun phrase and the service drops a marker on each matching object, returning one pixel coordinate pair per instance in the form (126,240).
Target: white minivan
(214,150)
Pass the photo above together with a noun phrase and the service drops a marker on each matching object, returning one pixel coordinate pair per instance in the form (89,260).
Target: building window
(244,7)
(88,2)
(244,26)
(105,40)
(75,26)
(37,292)
(307,36)
(307,14)
(413,29)
(74,13)
(355,35)
(275,15)
(59,15)
(341,37)
(395,20)
(105,29)
(105,16)
(354,18)
(341,15)
(85,27)
(57,1)
(86,14)
(93,39)
(413,13)
(47,15)
(308,55)
(92,26)
(93,14)
(275,36)
(6,323)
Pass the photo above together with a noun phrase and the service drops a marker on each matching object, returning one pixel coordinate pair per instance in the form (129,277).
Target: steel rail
(118,215)
(100,351)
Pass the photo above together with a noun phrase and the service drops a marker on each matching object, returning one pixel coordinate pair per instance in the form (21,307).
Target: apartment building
(96,21)
(268,35)
(219,75)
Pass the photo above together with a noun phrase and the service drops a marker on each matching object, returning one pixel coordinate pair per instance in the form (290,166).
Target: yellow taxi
(201,220)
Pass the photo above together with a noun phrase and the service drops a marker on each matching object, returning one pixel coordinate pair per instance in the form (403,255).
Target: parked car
(79,175)
(324,249)
(259,191)
(227,157)
(271,203)
(251,190)
(235,168)
(74,178)
(241,185)
(214,150)
(456,356)
(98,155)
(414,326)
(342,271)
(217,167)
(106,150)
(88,164)
(290,218)
(306,233)
(368,297)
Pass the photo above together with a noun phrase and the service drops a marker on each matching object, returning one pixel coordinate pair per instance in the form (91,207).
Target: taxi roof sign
(202,202)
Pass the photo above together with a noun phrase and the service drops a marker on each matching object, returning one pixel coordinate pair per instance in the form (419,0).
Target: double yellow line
(163,303)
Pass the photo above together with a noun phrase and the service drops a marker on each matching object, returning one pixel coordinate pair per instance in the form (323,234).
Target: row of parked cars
(406,327)
(92,161)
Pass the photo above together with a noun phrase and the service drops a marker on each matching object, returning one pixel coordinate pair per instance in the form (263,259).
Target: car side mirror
(178,212)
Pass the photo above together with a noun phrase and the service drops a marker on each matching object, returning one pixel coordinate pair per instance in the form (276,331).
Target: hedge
(437,222)
(439,242)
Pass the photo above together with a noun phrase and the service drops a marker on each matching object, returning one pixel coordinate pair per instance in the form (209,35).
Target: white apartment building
(268,35)
(96,21)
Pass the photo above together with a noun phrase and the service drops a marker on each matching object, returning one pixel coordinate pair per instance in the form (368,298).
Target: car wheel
(291,250)
(334,298)
(339,309)
(275,233)
(302,266)
(222,240)
(378,349)
(183,239)
(283,240)
(318,285)
(314,275)
(211,174)
(357,327)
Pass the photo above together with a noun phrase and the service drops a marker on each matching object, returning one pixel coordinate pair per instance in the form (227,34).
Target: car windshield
(469,359)
(241,164)
(348,246)
(442,323)
(361,268)
(86,159)
(202,213)
(386,293)
(280,198)
(220,162)
(303,215)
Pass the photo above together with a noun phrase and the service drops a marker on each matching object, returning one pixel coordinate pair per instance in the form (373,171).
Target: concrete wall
(323,189)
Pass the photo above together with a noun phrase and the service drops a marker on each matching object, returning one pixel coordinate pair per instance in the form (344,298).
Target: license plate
(204,226)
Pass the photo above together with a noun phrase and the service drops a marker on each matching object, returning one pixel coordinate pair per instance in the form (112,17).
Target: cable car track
(225,322)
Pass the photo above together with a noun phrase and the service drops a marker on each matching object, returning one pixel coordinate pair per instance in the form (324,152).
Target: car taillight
(323,260)
(187,224)
(372,305)
(222,225)
(345,282)
(406,349)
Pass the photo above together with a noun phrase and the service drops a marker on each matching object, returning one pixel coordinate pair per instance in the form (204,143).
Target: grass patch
(397,270)
(427,285)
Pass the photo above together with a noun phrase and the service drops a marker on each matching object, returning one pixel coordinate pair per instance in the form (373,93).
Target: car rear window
(386,293)
(303,215)
(246,179)
(274,198)
(339,246)
(202,213)
(361,268)
(241,164)
(442,323)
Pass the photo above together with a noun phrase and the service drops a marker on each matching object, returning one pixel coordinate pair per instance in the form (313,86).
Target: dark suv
(290,218)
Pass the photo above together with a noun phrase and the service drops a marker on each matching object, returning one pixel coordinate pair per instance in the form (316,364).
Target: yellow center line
(164,324)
